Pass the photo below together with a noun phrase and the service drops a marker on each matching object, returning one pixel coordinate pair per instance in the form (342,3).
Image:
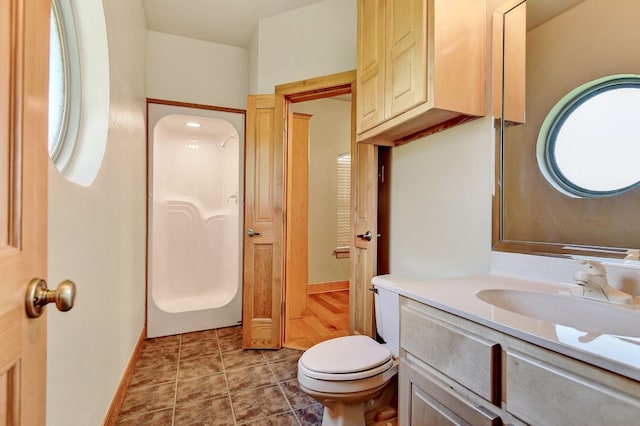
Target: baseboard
(116,403)
(327,287)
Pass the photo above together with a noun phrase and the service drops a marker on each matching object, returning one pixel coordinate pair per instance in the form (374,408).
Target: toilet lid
(342,355)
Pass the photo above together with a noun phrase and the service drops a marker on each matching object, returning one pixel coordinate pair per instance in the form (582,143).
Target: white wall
(189,70)
(97,238)
(308,42)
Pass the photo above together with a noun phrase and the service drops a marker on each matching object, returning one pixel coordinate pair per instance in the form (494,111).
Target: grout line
(175,390)
(282,391)
(226,382)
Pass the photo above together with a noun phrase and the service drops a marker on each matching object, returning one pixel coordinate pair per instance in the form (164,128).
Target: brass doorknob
(38,296)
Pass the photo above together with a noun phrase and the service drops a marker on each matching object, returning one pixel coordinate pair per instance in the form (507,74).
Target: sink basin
(582,314)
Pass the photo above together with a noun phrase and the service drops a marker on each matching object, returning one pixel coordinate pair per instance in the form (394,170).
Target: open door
(264,219)
(24,76)
(364,190)
(263,223)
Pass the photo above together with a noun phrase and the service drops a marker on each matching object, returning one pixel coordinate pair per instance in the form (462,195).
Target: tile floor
(205,378)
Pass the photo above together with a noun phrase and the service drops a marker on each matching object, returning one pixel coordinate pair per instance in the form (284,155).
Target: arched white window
(78,70)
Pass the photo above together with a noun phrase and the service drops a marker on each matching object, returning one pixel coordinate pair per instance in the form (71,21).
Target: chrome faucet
(593,284)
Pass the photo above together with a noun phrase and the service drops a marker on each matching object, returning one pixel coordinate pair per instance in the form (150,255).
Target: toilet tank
(387,305)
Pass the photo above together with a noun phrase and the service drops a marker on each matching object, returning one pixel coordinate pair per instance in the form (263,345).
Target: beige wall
(329,136)
(97,238)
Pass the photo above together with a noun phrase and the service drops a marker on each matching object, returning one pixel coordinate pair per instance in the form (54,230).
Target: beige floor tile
(143,399)
(162,342)
(154,375)
(150,357)
(210,412)
(241,358)
(206,387)
(229,331)
(311,415)
(199,349)
(256,404)
(281,354)
(284,419)
(285,370)
(199,335)
(157,418)
(297,398)
(196,367)
(250,377)
(231,342)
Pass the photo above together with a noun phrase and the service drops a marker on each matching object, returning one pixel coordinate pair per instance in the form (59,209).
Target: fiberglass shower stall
(195,206)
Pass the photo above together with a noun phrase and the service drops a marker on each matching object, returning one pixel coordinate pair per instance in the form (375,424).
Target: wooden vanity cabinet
(456,372)
(420,68)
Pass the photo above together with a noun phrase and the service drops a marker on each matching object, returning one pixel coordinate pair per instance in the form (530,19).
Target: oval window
(58,81)
(589,144)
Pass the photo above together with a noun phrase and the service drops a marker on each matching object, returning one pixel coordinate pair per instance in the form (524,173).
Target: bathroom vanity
(466,361)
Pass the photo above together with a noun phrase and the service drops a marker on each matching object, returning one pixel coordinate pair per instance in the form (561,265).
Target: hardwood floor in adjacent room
(327,317)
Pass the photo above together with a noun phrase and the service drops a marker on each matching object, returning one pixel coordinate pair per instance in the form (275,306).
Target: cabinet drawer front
(467,358)
(425,400)
(541,393)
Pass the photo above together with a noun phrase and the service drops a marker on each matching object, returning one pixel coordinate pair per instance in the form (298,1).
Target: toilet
(347,374)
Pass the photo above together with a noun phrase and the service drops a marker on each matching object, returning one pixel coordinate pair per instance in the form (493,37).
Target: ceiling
(229,22)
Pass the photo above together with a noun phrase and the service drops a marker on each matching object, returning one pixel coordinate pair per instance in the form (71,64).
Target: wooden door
(24,72)
(371,70)
(405,58)
(364,187)
(263,223)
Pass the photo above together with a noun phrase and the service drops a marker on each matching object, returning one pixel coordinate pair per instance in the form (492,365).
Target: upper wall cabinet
(421,67)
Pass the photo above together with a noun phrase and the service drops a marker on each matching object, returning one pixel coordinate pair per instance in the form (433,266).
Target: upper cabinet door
(370,80)
(405,55)
(431,69)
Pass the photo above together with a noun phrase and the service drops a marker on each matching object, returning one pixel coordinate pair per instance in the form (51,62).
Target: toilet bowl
(347,374)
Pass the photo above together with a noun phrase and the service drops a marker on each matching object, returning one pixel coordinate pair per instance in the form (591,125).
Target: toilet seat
(340,377)
(346,364)
(346,358)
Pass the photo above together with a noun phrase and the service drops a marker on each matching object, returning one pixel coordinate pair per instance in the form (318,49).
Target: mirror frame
(516,116)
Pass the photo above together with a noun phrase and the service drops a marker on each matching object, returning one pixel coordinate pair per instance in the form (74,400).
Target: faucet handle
(593,267)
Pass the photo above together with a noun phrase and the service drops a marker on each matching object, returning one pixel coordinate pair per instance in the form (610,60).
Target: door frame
(308,90)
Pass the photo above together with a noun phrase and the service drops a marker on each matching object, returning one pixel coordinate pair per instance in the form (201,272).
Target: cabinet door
(425,400)
(405,55)
(370,88)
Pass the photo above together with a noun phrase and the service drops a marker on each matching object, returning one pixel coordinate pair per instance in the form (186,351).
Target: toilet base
(341,414)
(357,408)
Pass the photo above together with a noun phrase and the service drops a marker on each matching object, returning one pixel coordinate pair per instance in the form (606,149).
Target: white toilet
(346,374)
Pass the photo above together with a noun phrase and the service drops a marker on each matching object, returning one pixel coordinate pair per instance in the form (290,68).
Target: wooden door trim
(300,91)
(317,88)
(297,225)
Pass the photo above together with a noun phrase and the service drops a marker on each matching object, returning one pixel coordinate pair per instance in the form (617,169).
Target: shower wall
(195,205)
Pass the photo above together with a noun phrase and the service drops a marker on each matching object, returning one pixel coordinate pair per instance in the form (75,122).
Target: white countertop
(619,354)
